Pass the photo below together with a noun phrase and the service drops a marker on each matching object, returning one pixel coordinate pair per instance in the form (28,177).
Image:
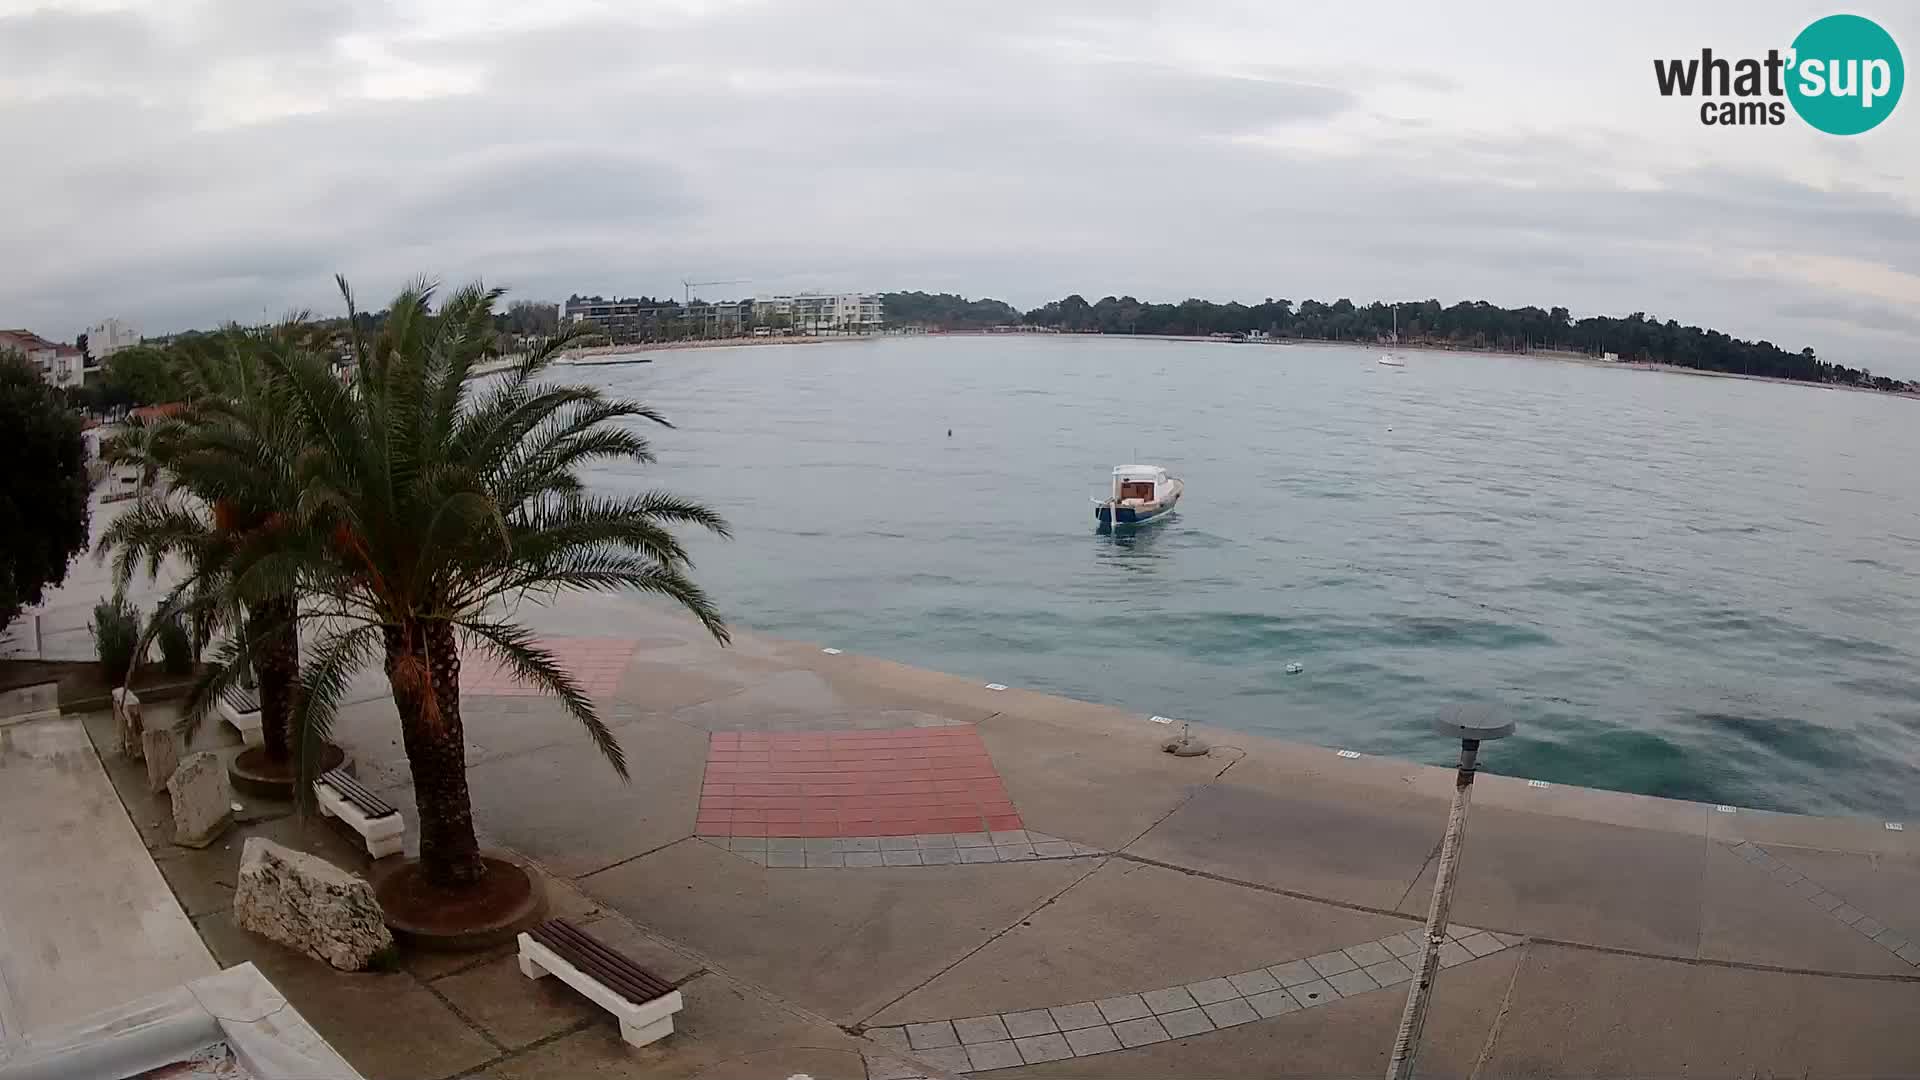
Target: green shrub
(176,649)
(116,632)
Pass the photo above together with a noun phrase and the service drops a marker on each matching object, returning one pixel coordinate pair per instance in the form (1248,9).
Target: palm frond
(519,651)
(324,679)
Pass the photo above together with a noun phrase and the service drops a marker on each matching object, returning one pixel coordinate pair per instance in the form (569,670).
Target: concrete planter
(237,1006)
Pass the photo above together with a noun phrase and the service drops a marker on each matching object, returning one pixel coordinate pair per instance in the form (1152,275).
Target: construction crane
(691,285)
(709,327)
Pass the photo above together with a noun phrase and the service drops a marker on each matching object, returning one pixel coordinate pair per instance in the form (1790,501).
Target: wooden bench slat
(609,968)
(353,791)
(631,979)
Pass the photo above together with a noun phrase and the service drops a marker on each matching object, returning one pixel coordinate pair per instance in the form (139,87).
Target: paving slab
(1090,786)
(370,732)
(1132,927)
(511,1008)
(1348,1037)
(501,726)
(726,1030)
(1750,916)
(803,700)
(658,687)
(86,920)
(1578,1012)
(565,806)
(869,679)
(385,1025)
(1886,887)
(1865,835)
(842,943)
(1303,834)
(1577,880)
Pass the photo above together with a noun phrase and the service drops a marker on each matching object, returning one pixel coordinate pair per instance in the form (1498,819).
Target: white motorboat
(1140,493)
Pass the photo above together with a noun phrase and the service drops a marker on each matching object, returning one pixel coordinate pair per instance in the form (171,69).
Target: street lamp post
(1472,725)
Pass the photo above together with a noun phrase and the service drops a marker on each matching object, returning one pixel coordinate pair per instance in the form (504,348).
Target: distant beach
(577,356)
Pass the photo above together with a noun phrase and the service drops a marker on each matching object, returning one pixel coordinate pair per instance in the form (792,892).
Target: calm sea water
(1692,587)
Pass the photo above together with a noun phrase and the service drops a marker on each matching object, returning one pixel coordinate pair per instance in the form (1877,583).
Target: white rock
(305,902)
(200,801)
(126,709)
(164,747)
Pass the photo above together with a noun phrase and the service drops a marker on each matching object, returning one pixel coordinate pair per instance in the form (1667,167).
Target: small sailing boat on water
(1141,493)
(1394,359)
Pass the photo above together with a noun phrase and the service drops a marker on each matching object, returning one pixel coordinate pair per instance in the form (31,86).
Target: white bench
(240,708)
(643,1002)
(380,826)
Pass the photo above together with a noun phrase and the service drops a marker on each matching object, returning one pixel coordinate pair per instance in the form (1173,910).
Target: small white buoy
(1295,669)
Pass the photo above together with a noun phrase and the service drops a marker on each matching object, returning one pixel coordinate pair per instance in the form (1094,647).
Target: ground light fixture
(1472,725)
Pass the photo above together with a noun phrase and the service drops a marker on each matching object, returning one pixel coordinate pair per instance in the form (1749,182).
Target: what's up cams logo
(1843,75)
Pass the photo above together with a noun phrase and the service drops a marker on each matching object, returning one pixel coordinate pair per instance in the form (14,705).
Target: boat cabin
(1139,483)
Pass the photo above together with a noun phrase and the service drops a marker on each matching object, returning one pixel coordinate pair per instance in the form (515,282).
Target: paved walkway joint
(1813,893)
(1083,1029)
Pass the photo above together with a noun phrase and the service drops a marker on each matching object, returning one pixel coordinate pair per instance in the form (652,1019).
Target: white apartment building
(110,337)
(814,312)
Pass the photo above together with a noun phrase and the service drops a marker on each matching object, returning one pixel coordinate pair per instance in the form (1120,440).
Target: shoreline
(1556,355)
(582,355)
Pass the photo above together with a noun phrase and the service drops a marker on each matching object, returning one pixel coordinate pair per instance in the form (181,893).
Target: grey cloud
(990,149)
(1854,313)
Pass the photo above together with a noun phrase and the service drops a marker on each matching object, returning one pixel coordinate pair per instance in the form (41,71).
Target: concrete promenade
(798,846)
(85,921)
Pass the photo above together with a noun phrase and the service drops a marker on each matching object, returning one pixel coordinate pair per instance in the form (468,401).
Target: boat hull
(1110,515)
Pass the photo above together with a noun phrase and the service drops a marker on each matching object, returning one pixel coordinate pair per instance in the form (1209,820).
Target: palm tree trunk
(423,665)
(277,662)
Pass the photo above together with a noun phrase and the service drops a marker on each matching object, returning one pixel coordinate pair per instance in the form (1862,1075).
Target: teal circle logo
(1847,75)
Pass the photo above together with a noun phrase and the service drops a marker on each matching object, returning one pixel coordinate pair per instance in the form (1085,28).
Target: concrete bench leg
(531,969)
(642,1034)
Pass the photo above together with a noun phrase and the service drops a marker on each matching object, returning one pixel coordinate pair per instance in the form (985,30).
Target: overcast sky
(183,162)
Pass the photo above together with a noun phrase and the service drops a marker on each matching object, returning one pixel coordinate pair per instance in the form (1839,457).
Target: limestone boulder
(126,712)
(165,746)
(202,801)
(306,903)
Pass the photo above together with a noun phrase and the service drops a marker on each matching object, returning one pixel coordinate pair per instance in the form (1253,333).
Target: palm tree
(439,500)
(230,455)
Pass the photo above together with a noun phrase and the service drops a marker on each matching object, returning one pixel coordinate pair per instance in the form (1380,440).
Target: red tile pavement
(596,663)
(895,782)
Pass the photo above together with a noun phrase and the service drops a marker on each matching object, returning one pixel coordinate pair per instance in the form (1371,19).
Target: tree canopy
(145,375)
(946,311)
(43,496)
(1467,324)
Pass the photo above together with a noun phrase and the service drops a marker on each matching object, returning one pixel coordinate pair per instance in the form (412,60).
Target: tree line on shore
(150,373)
(1467,324)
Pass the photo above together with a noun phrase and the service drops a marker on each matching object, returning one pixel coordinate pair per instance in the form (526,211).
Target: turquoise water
(1683,586)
